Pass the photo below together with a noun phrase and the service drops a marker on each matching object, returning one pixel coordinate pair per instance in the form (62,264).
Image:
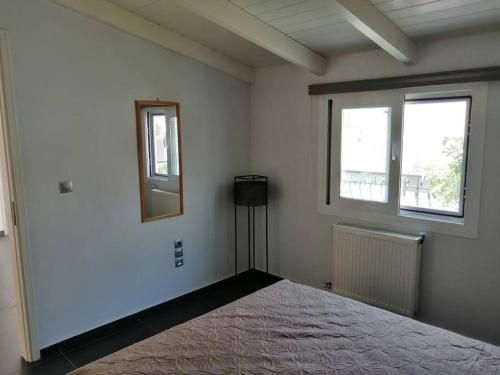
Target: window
(174,146)
(158,146)
(434,159)
(365,153)
(162,147)
(410,158)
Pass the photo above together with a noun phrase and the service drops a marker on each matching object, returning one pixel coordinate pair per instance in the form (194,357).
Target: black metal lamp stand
(250,191)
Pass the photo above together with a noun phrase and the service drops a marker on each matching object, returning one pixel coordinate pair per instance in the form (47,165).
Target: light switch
(65,187)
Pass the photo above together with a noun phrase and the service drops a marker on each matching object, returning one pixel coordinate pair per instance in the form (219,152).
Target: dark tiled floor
(76,352)
(9,342)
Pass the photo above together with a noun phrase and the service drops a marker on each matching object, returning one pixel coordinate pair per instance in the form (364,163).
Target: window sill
(432,217)
(410,222)
(153,180)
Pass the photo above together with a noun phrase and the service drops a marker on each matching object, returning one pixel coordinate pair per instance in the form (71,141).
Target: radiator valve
(327,285)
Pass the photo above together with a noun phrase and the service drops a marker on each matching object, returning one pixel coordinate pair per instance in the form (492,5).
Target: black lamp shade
(250,190)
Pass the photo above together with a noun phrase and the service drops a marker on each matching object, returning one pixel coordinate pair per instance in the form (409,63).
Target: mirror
(160,159)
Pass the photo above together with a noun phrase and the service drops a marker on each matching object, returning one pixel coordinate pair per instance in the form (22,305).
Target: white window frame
(465,150)
(390,214)
(151,144)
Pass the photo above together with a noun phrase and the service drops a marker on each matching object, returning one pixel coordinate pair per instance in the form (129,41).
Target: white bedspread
(289,328)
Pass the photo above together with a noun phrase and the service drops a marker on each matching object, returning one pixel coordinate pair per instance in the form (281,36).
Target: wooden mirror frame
(139,105)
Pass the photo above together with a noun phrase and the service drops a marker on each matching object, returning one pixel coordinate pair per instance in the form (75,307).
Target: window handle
(394,152)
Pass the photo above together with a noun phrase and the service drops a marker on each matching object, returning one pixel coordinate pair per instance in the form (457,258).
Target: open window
(161,131)
(407,157)
(161,149)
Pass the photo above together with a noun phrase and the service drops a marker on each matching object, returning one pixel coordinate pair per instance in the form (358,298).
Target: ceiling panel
(476,21)
(176,18)
(454,6)
(264,7)
(311,15)
(132,4)
(333,39)
(473,8)
(295,10)
(388,6)
(319,25)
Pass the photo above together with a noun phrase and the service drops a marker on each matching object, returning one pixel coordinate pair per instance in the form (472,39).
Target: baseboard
(114,326)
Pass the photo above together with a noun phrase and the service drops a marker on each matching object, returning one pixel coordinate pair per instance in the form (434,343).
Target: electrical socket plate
(65,187)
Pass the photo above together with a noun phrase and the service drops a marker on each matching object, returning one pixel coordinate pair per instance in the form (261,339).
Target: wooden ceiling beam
(242,23)
(380,29)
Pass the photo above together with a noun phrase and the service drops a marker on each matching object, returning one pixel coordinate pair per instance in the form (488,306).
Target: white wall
(460,278)
(75,82)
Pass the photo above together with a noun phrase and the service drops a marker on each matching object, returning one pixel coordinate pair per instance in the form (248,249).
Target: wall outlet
(178,253)
(65,187)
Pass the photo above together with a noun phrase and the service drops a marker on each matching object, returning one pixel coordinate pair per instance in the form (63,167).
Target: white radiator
(377,267)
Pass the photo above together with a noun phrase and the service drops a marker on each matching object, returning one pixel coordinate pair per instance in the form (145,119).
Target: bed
(288,328)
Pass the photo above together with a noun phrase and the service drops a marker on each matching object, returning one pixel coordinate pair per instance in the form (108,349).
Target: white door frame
(14,211)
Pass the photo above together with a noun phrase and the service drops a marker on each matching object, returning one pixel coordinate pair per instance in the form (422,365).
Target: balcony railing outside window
(371,186)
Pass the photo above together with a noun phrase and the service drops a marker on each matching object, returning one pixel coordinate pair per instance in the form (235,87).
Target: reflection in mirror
(160,160)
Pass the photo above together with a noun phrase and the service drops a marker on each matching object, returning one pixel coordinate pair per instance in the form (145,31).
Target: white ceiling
(318,24)
(175,18)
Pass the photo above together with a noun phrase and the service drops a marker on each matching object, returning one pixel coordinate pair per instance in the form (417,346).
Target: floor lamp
(250,191)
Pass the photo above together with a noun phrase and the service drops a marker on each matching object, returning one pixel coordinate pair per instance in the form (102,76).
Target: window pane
(433,155)
(160,145)
(174,146)
(365,151)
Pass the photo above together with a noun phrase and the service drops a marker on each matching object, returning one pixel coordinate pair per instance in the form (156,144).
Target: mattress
(288,328)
